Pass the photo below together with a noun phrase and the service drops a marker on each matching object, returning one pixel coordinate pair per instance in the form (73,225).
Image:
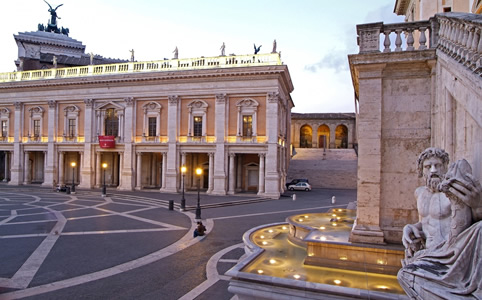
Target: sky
(313,36)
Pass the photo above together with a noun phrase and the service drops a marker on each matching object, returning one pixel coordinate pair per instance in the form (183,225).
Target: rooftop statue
(53,14)
(257,49)
(443,256)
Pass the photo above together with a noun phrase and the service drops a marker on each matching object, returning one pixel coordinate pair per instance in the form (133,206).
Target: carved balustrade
(456,34)
(150,66)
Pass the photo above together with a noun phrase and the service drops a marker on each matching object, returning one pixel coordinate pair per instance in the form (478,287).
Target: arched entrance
(323,136)
(306,134)
(341,136)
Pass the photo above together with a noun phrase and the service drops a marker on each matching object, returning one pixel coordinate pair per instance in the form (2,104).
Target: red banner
(107,141)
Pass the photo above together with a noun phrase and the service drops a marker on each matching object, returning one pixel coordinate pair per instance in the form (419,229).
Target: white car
(300,186)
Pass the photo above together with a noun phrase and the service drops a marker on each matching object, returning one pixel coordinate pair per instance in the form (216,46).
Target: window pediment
(110,104)
(36,111)
(4,112)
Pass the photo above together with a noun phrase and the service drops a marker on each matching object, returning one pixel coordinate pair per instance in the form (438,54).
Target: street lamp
(183,200)
(73,177)
(199,172)
(104,189)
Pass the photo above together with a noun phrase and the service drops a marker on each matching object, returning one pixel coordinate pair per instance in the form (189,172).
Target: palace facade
(228,115)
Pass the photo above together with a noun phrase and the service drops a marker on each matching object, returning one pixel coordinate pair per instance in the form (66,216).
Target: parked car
(295,181)
(300,186)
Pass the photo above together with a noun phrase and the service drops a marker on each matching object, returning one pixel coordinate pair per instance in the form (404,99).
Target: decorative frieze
(220,98)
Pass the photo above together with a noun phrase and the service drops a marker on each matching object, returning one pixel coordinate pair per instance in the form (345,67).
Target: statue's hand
(410,233)
(468,191)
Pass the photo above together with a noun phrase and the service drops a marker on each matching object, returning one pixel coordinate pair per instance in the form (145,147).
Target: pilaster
(172,169)
(219,176)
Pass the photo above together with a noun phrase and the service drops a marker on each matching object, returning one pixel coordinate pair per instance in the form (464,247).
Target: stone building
(229,115)
(417,10)
(410,98)
(323,130)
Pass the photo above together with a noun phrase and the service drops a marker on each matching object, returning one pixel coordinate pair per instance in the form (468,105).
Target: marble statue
(274,47)
(54,61)
(91,58)
(223,48)
(176,53)
(443,256)
(132,54)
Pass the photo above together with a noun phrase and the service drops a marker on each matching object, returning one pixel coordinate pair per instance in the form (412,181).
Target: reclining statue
(443,251)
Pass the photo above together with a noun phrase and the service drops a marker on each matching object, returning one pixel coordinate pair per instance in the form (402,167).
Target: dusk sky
(314,36)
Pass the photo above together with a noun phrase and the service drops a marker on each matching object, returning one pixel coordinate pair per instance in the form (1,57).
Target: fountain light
(380,261)
(340,209)
(338,218)
(343,258)
(311,254)
(261,236)
(300,220)
(270,231)
(265,243)
(306,217)
(382,287)
(336,281)
(322,227)
(260,271)
(296,276)
(323,238)
(272,261)
(284,227)
(334,224)
(333,215)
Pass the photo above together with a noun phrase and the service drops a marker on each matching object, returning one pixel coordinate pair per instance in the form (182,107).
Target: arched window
(306,134)
(341,136)
(323,136)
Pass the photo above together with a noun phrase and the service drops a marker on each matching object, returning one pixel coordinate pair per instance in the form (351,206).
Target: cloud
(335,60)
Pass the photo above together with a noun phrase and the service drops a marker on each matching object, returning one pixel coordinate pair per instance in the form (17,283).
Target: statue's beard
(433,181)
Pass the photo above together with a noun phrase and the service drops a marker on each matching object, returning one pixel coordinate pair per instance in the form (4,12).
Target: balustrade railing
(150,66)
(456,34)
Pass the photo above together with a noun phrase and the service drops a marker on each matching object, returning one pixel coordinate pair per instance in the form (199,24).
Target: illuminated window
(247,125)
(36,128)
(198,126)
(4,128)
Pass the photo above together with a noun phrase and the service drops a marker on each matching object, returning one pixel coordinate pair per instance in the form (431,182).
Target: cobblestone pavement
(129,244)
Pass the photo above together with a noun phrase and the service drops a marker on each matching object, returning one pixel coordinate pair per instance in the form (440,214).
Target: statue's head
(432,165)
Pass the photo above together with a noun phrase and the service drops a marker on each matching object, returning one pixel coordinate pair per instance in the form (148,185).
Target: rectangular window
(247,125)
(36,128)
(111,122)
(4,129)
(152,127)
(72,127)
(198,126)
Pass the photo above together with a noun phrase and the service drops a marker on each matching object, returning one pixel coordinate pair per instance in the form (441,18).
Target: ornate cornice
(173,99)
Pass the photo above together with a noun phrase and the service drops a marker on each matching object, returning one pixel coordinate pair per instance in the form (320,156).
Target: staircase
(336,168)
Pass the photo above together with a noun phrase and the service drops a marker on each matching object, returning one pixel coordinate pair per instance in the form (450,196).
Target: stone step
(335,168)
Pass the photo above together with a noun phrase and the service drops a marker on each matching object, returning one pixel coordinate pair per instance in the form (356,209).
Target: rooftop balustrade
(456,34)
(149,66)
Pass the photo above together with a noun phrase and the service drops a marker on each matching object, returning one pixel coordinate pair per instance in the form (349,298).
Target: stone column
(139,171)
(98,170)
(16,168)
(272,176)
(61,168)
(367,225)
(221,114)
(81,161)
(26,166)
(45,166)
(87,180)
(128,171)
(6,167)
(115,167)
(261,174)
(121,167)
(232,177)
(172,168)
(211,172)
(239,176)
(164,167)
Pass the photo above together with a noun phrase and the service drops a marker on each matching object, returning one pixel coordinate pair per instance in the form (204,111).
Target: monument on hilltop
(443,256)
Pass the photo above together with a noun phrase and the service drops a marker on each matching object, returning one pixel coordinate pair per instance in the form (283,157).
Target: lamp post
(183,200)
(73,177)
(104,188)
(199,172)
